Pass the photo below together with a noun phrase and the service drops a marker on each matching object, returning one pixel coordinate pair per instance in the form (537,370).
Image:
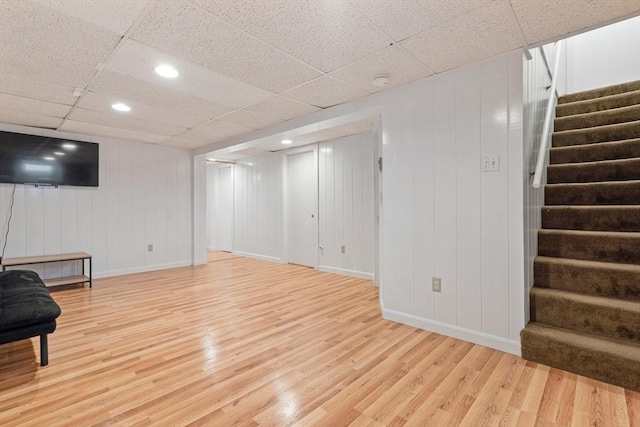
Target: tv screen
(30,159)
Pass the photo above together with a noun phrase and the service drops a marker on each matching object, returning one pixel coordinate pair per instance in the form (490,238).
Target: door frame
(285,199)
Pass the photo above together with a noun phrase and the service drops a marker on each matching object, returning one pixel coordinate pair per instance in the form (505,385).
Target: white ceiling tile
(110,132)
(29,119)
(479,34)
(143,92)
(29,105)
(202,136)
(45,66)
(325,92)
(139,61)
(282,108)
(324,34)
(123,120)
(188,144)
(114,15)
(36,89)
(30,25)
(404,18)
(249,119)
(216,127)
(102,102)
(182,29)
(395,61)
(543,20)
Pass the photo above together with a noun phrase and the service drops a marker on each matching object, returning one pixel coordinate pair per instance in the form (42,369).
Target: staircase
(585,303)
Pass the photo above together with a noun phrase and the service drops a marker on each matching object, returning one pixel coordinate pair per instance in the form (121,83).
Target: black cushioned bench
(26,309)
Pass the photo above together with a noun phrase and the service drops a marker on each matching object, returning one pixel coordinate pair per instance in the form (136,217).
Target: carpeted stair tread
(605,246)
(606,170)
(600,92)
(592,218)
(614,150)
(598,104)
(596,315)
(613,361)
(606,279)
(615,132)
(598,118)
(593,193)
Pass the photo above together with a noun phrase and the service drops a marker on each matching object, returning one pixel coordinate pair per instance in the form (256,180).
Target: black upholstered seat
(26,309)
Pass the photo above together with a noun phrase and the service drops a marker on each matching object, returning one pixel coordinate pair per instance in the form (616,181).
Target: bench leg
(44,350)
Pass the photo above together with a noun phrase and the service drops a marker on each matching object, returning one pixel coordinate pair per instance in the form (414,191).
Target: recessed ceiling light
(48,158)
(69,146)
(58,153)
(286,141)
(167,71)
(121,107)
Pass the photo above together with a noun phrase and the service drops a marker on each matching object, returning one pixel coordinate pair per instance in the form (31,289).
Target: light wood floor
(246,342)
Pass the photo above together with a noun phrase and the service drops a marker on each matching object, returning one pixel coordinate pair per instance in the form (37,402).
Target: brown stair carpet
(585,303)
(625,149)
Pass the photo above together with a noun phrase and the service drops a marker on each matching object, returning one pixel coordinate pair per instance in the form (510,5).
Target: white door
(225,209)
(301,212)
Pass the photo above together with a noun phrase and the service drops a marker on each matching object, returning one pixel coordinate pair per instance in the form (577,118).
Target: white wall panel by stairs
(346,205)
(144,198)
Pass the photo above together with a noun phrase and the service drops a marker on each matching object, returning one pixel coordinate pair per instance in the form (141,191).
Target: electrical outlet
(436,284)
(149,248)
(490,163)
(342,249)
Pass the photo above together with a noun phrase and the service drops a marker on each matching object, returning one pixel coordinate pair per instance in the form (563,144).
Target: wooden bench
(75,256)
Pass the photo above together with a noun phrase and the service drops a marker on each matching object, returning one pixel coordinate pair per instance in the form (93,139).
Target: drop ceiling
(246,65)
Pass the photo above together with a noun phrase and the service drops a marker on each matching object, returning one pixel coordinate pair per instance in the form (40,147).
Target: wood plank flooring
(252,343)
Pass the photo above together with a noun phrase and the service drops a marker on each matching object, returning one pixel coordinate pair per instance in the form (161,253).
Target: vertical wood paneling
(424,243)
(445,197)
(495,213)
(469,195)
(112,205)
(110,221)
(345,171)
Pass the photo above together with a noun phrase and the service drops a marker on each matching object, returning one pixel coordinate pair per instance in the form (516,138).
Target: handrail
(542,150)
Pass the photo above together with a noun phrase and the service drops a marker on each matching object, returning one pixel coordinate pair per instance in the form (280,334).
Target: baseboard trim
(142,269)
(346,272)
(260,257)
(202,261)
(458,332)
(211,248)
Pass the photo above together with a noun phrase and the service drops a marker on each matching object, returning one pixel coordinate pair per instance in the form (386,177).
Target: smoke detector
(381,80)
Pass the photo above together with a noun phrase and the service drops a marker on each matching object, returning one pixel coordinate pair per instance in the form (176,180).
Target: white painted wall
(258,207)
(441,215)
(603,57)
(346,201)
(144,198)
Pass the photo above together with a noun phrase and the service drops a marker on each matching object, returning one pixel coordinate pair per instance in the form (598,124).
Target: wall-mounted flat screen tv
(40,160)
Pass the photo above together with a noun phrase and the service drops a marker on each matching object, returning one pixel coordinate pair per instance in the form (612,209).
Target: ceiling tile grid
(114,15)
(404,18)
(247,64)
(28,105)
(123,121)
(137,60)
(37,27)
(103,102)
(36,89)
(184,30)
(324,92)
(282,108)
(543,20)
(324,34)
(130,89)
(394,61)
(481,33)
